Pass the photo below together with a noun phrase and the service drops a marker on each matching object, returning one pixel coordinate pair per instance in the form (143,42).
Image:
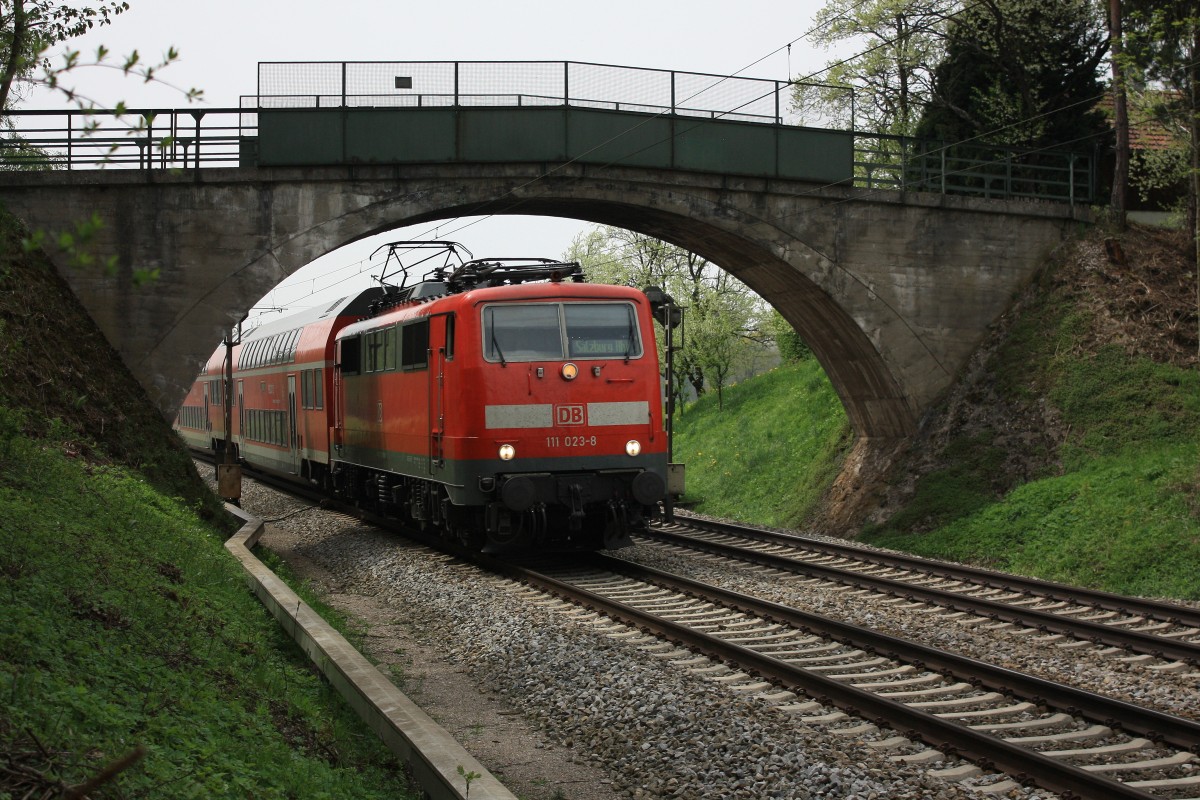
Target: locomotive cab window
(555,331)
(601,330)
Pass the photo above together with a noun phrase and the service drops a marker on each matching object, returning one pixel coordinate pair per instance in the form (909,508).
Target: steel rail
(1096,632)
(951,737)
(1154,725)
(1159,610)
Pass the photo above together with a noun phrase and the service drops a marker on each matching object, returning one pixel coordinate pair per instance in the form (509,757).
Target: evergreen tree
(1020,72)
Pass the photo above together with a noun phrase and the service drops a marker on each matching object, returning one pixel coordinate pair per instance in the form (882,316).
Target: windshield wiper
(496,347)
(629,341)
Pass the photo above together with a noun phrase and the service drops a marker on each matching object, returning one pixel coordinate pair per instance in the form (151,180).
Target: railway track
(1073,742)
(1153,629)
(918,705)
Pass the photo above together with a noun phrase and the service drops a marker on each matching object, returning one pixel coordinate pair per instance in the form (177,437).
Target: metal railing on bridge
(903,163)
(132,139)
(193,138)
(421,84)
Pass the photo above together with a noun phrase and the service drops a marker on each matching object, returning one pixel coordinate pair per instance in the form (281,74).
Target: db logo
(568,415)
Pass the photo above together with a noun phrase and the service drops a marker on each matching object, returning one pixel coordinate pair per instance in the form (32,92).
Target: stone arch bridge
(892,290)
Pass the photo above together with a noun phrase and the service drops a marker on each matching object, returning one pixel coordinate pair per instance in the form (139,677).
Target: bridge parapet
(423,112)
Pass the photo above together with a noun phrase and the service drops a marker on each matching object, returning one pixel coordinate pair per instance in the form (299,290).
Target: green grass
(785,429)
(1126,523)
(124,624)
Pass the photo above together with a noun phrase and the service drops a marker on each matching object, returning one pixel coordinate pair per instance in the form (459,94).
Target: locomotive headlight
(507,452)
(633,447)
(569,371)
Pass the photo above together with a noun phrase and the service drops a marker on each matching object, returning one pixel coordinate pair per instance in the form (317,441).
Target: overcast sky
(221,42)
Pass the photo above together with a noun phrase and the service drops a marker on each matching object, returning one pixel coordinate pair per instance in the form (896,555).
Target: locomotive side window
(450,337)
(597,330)
(349,352)
(414,346)
(553,331)
(380,347)
(390,347)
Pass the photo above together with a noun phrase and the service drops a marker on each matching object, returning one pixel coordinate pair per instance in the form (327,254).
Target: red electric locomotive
(505,403)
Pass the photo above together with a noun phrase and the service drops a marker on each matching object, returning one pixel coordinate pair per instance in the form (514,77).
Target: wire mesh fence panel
(513,83)
(402,84)
(619,88)
(729,98)
(282,79)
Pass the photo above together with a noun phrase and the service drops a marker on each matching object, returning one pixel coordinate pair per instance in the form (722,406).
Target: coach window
(319,387)
(293,339)
(414,346)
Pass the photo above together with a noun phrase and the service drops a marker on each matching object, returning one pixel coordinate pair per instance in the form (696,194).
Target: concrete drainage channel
(433,756)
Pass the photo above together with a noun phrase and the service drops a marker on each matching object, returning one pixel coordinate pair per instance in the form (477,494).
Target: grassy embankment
(127,636)
(1117,507)
(1122,512)
(786,425)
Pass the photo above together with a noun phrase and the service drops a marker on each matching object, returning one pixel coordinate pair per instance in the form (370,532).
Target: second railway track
(1162,630)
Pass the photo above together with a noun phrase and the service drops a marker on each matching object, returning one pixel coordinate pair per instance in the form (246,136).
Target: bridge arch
(892,291)
(757,252)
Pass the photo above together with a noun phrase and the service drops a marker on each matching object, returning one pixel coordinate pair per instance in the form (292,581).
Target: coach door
(207,418)
(293,438)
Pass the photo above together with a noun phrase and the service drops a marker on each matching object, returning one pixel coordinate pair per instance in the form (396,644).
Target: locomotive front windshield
(555,331)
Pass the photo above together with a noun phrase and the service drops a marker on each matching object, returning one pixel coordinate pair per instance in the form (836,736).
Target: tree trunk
(20,35)
(1194,198)
(1120,117)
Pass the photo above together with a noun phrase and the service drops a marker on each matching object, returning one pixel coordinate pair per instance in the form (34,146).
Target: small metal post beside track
(229,472)
(670,316)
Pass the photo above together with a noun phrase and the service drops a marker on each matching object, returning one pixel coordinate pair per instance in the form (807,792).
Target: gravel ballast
(559,708)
